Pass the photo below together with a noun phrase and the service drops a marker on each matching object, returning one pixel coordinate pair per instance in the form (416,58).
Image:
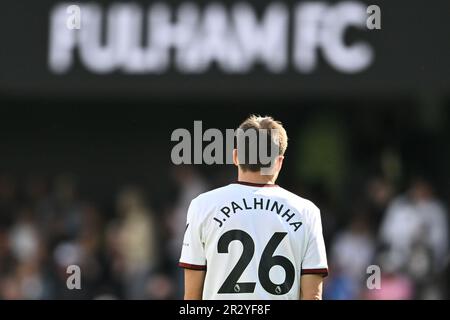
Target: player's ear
(279,163)
(235,157)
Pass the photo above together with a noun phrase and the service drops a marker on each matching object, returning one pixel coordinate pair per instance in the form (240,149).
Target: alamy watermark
(373,22)
(73,21)
(374,280)
(74,279)
(253,146)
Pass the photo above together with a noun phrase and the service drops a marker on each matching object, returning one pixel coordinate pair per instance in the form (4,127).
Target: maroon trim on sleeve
(191,266)
(323,271)
(251,184)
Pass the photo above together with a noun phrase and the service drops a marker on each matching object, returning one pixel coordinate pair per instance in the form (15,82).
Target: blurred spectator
(395,285)
(24,238)
(379,193)
(26,250)
(340,287)
(60,212)
(353,250)
(351,253)
(136,241)
(415,232)
(190,185)
(416,218)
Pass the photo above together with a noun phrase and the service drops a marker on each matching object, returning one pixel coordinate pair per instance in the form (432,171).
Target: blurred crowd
(130,251)
(404,235)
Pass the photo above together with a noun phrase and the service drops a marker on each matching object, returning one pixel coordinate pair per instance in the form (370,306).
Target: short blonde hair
(255,122)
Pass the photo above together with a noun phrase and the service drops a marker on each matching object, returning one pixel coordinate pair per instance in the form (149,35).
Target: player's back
(254,240)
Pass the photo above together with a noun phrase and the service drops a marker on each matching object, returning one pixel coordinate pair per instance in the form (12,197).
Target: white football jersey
(254,241)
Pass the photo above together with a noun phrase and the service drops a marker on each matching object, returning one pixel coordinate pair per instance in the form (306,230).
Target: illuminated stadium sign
(169,48)
(188,38)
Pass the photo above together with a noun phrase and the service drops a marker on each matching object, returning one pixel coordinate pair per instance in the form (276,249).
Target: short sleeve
(193,251)
(315,258)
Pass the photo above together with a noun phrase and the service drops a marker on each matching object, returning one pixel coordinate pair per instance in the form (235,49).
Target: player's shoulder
(207,202)
(303,205)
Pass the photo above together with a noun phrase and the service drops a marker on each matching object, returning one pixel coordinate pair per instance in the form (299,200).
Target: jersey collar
(251,184)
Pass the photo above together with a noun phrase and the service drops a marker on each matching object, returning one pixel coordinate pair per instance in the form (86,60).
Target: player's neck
(256,177)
